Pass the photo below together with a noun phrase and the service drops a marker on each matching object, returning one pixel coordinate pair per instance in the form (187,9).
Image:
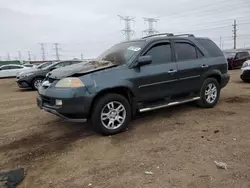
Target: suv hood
(79,69)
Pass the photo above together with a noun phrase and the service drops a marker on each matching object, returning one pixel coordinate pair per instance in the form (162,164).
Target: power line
(57,51)
(43,51)
(150,30)
(127,31)
(199,10)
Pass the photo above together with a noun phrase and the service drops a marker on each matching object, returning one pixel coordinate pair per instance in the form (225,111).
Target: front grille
(48,101)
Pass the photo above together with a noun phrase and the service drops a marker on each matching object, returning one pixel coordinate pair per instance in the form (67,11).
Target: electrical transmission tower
(127,31)
(235,33)
(150,30)
(43,51)
(57,51)
(8,56)
(29,55)
(20,55)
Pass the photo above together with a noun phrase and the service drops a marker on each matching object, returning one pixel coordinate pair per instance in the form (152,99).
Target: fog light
(58,102)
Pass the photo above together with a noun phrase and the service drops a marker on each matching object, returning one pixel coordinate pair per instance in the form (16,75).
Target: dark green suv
(137,76)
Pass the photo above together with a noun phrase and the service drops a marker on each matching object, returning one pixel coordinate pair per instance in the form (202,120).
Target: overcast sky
(90,27)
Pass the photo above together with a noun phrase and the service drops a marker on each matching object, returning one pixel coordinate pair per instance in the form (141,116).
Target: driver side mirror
(144,60)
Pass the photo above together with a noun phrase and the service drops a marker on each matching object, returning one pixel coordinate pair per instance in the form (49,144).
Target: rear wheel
(210,93)
(111,114)
(37,82)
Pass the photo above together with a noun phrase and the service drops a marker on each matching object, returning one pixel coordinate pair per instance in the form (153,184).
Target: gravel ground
(178,145)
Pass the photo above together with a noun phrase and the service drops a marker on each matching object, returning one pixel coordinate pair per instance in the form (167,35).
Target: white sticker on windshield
(133,48)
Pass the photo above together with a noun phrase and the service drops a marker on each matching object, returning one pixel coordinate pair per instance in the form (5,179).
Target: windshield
(229,54)
(121,53)
(43,65)
(50,66)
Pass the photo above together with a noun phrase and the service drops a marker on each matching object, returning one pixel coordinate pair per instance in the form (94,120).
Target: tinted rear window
(211,47)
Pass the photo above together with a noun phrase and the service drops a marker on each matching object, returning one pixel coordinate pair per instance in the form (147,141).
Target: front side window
(161,53)
(185,51)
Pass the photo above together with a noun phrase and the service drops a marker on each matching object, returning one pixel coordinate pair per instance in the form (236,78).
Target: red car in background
(236,59)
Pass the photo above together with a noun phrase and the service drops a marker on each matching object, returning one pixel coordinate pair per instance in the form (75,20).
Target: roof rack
(182,35)
(168,35)
(159,34)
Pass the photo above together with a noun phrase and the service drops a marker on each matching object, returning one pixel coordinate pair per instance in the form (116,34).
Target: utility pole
(29,55)
(150,30)
(235,33)
(57,51)
(81,56)
(20,55)
(127,31)
(220,42)
(8,56)
(43,51)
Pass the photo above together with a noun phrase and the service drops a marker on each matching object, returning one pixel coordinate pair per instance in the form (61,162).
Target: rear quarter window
(211,47)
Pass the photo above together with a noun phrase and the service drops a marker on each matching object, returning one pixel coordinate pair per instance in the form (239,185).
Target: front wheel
(111,114)
(37,82)
(210,93)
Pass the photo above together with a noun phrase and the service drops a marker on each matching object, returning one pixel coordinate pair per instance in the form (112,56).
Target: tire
(246,81)
(230,66)
(35,81)
(103,108)
(210,99)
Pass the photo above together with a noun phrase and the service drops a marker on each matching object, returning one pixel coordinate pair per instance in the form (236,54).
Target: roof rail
(182,35)
(159,34)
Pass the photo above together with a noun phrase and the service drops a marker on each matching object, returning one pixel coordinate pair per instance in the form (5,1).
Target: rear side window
(161,53)
(211,47)
(245,54)
(185,51)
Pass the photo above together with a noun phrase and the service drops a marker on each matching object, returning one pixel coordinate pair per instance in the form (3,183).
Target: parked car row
(34,78)
(136,76)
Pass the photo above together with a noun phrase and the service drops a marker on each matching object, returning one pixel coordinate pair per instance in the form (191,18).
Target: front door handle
(204,66)
(172,71)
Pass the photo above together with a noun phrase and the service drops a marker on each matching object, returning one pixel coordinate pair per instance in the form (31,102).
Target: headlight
(70,82)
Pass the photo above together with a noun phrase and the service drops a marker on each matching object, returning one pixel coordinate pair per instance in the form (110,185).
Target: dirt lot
(179,145)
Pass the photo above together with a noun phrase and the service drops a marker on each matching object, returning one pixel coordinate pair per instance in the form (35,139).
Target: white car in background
(11,70)
(245,76)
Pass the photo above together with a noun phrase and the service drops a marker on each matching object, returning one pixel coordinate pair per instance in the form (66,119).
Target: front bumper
(245,75)
(23,83)
(224,80)
(74,108)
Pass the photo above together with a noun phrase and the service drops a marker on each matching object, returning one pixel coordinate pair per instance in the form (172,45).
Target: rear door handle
(172,71)
(204,66)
